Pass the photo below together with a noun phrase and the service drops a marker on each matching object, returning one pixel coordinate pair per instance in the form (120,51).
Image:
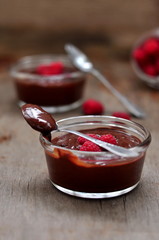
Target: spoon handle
(132,108)
(120,151)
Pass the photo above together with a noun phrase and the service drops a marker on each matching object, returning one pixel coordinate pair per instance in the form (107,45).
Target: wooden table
(31,208)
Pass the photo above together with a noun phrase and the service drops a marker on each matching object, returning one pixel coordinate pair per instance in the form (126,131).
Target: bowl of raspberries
(145,58)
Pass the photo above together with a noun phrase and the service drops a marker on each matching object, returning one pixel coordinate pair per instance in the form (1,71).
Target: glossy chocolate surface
(48,92)
(93,176)
(70,141)
(38,119)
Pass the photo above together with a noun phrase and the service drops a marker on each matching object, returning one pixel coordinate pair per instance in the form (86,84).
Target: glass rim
(143,145)
(144,77)
(15,73)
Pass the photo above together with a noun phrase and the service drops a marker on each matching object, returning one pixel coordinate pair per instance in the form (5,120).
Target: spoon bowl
(80,60)
(43,122)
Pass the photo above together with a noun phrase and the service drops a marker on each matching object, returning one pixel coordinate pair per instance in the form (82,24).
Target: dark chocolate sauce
(48,92)
(70,141)
(38,119)
(98,176)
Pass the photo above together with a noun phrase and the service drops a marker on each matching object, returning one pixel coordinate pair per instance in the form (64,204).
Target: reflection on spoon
(80,60)
(38,118)
(43,122)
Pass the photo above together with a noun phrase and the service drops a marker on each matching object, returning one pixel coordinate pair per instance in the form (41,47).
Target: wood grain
(31,208)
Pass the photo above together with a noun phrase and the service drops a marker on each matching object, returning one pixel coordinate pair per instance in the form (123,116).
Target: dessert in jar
(49,81)
(145,58)
(81,168)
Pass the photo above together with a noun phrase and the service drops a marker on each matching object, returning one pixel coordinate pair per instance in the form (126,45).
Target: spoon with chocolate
(43,122)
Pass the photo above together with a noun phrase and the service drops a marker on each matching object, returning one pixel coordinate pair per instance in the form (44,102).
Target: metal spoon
(120,151)
(43,122)
(80,60)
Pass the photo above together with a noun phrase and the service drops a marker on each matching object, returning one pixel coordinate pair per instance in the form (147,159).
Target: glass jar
(150,80)
(55,93)
(95,174)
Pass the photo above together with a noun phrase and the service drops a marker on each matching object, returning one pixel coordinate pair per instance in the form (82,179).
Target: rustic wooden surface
(30,207)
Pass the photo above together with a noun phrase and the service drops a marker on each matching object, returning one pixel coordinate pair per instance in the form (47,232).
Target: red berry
(50,69)
(108,138)
(139,55)
(122,115)
(82,140)
(92,107)
(90,146)
(96,136)
(150,70)
(151,46)
(57,67)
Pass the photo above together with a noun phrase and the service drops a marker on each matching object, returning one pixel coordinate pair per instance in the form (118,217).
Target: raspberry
(82,140)
(94,136)
(57,67)
(50,69)
(150,70)
(147,55)
(139,55)
(92,107)
(90,146)
(108,138)
(122,115)
(151,46)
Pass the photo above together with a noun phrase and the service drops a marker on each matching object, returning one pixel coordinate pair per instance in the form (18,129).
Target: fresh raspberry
(50,69)
(82,140)
(90,146)
(96,136)
(109,138)
(151,46)
(139,55)
(150,70)
(122,115)
(92,107)
(57,67)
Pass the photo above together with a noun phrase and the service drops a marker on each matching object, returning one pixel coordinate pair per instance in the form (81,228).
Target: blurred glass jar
(145,58)
(55,93)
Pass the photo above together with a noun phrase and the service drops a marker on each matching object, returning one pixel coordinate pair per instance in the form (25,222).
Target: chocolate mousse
(47,87)
(81,173)
(38,118)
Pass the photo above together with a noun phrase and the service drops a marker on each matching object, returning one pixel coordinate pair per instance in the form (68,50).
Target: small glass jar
(55,93)
(151,81)
(95,174)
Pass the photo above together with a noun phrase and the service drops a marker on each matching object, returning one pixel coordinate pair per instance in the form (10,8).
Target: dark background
(28,27)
